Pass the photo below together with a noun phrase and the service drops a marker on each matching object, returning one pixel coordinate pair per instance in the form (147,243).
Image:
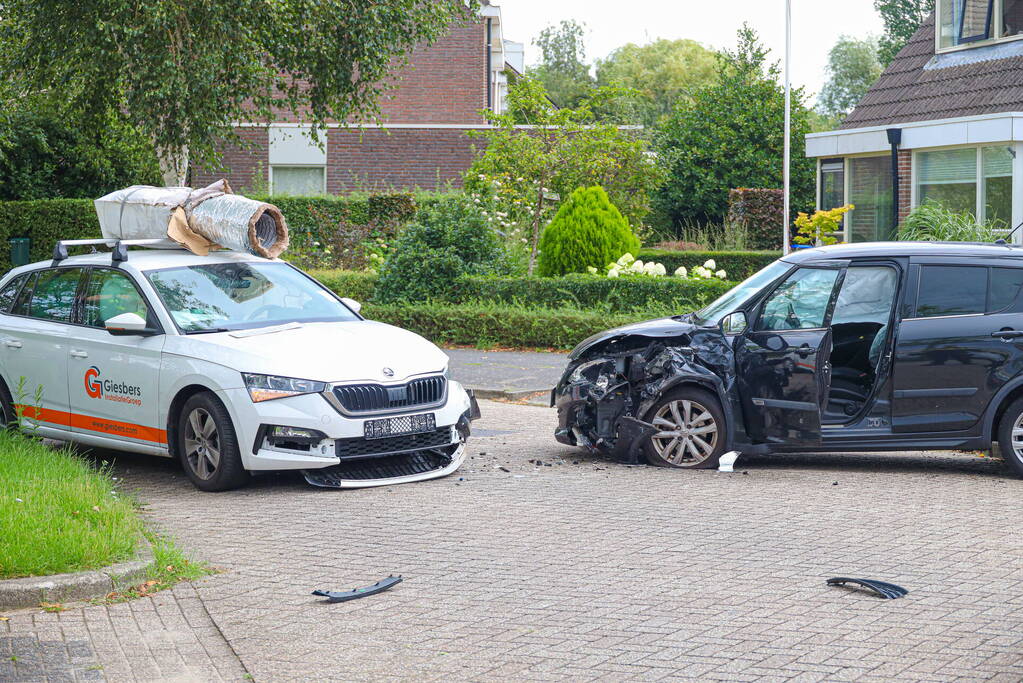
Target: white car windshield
(730,300)
(237,296)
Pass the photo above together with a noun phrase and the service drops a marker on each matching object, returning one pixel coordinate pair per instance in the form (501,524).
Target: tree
(901,19)
(731,134)
(662,73)
(563,71)
(42,155)
(852,68)
(184,72)
(524,174)
(588,230)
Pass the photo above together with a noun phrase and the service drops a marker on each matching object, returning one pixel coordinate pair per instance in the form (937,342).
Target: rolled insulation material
(241,224)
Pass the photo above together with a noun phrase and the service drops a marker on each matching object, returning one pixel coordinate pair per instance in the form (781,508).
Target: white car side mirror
(351,303)
(127,324)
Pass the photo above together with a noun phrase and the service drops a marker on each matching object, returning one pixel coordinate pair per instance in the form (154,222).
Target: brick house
(421,140)
(943,123)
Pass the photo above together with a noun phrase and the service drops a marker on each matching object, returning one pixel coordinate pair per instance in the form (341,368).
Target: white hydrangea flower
(681,272)
(626,260)
(614,272)
(660,269)
(591,270)
(721,274)
(710,265)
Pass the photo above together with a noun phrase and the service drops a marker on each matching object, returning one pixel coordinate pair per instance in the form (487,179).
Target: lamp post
(788,127)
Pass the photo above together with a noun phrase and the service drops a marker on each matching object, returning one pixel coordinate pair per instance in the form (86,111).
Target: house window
(832,184)
(870,191)
(969,22)
(974,180)
(298,180)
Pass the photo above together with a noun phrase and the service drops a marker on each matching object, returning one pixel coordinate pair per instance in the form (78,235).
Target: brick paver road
(578,569)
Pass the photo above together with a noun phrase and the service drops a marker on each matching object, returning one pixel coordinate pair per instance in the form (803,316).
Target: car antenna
(1007,238)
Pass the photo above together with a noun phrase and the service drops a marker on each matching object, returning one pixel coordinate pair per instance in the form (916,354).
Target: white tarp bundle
(197,219)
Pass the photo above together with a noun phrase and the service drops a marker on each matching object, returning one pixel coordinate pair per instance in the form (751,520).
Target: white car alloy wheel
(689,433)
(202,444)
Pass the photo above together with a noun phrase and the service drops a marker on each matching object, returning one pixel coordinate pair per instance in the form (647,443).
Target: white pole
(788,124)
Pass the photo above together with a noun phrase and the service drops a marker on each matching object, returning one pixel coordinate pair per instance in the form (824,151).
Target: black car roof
(882,249)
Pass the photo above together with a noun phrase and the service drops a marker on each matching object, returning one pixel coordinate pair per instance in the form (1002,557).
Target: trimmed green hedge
(738,264)
(45,221)
(581,292)
(590,292)
(501,325)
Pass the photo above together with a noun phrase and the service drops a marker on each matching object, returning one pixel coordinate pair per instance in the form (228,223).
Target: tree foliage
(587,231)
(852,68)
(183,72)
(901,19)
(563,70)
(42,155)
(731,134)
(661,73)
(564,149)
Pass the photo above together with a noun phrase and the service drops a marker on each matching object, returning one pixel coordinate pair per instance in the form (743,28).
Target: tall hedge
(588,230)
(761,212)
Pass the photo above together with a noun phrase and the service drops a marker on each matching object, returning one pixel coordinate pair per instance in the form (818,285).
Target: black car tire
(1013,455)
(204,428)
(701,404)
(8,413)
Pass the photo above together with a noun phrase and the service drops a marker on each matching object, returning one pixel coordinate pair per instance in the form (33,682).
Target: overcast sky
(816,25)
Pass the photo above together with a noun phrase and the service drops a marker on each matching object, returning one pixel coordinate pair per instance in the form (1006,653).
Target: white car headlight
(577,374)
(268,387)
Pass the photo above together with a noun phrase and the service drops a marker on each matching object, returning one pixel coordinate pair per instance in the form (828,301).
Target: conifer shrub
(588,230)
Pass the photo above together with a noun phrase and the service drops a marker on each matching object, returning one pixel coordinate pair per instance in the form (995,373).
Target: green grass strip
(59,512)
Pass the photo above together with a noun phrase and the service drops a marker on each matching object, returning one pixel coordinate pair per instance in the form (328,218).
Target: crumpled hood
(661,327)
(327,352)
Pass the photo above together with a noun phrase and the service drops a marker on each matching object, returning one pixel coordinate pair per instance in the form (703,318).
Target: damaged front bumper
(613,381)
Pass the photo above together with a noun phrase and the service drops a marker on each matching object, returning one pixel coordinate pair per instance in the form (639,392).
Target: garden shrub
(45,221)
(447,240)
(760,211)
(738,264)
(358,285)
(391,209)
(588,230)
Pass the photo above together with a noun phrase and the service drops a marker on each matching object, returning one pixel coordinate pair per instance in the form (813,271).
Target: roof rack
(118,247)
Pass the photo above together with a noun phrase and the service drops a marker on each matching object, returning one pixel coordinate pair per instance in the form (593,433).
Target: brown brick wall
(241,163)
(445,82)
(402,158)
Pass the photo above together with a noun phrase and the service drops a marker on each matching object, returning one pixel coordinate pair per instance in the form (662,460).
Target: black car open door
(783,359)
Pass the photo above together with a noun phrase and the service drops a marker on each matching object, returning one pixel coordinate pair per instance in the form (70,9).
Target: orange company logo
(93,387)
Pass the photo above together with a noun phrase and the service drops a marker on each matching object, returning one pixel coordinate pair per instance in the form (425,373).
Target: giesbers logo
(121,392)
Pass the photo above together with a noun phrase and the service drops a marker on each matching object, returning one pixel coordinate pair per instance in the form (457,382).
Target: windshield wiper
(209,330)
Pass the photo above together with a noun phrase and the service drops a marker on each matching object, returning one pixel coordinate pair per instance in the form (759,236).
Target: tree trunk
(536,227)
(173,165)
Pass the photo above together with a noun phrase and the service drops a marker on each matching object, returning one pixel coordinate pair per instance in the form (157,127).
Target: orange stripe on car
(94,424)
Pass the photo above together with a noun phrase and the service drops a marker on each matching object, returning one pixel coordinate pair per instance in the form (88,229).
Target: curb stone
(532,396)
(29,591)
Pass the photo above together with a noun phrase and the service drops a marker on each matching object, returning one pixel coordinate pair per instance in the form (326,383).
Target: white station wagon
(230,363)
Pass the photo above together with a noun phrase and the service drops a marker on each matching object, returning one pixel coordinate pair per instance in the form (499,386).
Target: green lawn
(58,512)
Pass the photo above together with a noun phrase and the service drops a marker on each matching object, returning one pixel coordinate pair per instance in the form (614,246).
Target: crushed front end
(615,377)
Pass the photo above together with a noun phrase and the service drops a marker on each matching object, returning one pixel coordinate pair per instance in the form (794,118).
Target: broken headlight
(268,387)
(589,370)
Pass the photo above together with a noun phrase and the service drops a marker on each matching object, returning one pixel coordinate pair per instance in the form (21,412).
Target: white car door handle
(79,354)
(12,343)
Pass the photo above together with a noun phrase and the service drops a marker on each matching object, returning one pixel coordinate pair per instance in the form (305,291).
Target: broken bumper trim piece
(887,591)
(345,596)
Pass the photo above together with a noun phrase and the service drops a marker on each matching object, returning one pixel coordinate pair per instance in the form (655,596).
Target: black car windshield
(237,296)
(730,300)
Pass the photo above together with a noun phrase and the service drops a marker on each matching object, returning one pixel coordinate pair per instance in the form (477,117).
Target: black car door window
(9,292)
(952,290)
(800,302)
(1005,287)
(25,296)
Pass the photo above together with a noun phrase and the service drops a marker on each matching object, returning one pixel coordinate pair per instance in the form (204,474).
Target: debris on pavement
(887,591)
(344,596)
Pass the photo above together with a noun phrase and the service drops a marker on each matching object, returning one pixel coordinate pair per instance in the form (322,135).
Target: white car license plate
(396,426)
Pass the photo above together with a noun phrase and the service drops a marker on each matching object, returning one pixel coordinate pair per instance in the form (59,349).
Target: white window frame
(323,190)
(980,206)
(996,29)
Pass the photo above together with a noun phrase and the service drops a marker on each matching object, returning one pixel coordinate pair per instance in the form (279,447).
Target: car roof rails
(118,247)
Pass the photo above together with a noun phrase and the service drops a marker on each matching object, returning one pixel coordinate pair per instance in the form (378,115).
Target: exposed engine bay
(614,378)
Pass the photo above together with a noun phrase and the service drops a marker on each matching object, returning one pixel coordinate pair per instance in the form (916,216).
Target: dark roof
(887,249)
(990,82)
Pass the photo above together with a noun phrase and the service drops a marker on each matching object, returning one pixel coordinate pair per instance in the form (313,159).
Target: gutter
(895,139)
(490,65)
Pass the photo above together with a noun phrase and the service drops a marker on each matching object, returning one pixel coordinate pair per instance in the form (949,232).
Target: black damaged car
(867,347)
